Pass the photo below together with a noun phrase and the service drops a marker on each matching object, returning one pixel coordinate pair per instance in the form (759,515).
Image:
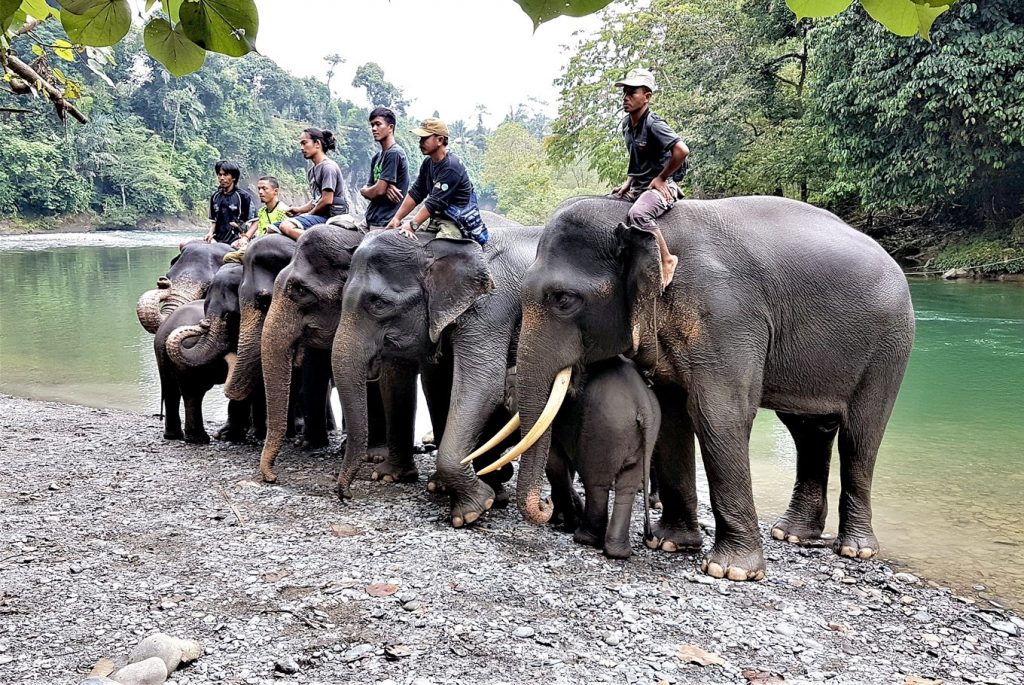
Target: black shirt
(226,209)
(650,147)
(442,184)
(393,166)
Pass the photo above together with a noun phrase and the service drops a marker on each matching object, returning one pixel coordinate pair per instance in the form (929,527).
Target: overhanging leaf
(541,11)
(172,48)
(7,10)
(926,16)
(38,9)
(105,23)
(172,9)
(899,16)
(817,8)
(226,26)
(62,49)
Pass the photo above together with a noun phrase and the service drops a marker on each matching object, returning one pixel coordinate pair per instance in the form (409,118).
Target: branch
(786,80)
(29,74)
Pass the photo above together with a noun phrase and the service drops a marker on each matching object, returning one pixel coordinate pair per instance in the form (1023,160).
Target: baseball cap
(638,77)
(431,126)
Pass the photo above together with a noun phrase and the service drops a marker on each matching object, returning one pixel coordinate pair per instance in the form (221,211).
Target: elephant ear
(642,269)
(456,275)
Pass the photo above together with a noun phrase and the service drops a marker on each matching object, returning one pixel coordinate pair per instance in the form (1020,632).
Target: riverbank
(111,533)
(90,223)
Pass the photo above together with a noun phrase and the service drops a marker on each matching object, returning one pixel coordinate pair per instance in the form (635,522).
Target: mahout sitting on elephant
(450,309)
(190,274)
(299,327)
(191,382)
(774,304)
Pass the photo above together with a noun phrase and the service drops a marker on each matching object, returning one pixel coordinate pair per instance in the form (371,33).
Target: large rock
(152,671)
(956,273)
(168,649)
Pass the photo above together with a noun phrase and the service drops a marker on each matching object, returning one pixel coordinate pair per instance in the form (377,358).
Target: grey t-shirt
(327,176)
(650,146)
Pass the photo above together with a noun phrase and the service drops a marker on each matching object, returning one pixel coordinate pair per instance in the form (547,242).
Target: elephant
(452,310)
(300,324)
(775,304)
(191,382)
(187,279)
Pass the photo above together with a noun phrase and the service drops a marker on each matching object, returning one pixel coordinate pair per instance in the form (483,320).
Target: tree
(379,91)
(332,63)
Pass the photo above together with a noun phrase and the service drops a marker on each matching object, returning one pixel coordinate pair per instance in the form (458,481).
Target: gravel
(109,534)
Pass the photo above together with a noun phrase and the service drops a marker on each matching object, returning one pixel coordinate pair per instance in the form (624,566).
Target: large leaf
(546,10)
(172,48)
(817,8)
(173,8)
(903,17)
(105,23)
(7,10)
(227,26)
(926,15)
(38,9)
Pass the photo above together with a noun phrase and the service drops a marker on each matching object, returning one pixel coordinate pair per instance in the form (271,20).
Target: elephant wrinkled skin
(187,279)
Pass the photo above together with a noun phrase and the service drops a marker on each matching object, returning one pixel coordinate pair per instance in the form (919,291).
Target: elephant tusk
(558,390)
(508,430)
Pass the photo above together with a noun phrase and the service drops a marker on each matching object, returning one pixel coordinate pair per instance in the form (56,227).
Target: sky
(446,55)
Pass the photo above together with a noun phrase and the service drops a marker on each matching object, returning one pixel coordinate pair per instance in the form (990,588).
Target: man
(325,185)
(389,171)
(444,188)
(273,211)
(656,153)
(230,208)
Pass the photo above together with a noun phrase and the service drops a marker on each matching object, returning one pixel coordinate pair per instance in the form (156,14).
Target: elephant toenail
(389,479)
(669,546)
(652,542)
(472,516)
(457,521)
(792,539)
(866,553)
(847,551)
(715,570)
(736,573)
(374,476)
(778,534)
(759,575)
(488,504)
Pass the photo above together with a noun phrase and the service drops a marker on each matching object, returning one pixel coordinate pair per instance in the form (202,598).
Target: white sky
(477,51)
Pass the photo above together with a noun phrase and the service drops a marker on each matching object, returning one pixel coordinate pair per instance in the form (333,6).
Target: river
(950,473)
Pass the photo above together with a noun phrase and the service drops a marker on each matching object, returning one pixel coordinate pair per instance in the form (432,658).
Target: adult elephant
(190,382)
(775,304)
(299,326)
(187,279)
(412,301)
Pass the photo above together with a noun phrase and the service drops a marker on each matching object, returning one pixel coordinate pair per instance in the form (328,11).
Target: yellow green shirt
(267,218)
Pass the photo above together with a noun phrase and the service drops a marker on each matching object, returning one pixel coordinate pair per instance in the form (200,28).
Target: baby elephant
(608,430)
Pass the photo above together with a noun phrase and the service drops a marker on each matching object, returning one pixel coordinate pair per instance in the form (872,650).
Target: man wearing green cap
(443,186)
(656,156)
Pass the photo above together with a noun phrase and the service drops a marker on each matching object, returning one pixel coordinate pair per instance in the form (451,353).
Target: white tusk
(508,430)
(558,390)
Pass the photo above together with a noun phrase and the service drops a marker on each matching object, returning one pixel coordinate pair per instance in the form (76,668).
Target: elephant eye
(564,301)
(380,305)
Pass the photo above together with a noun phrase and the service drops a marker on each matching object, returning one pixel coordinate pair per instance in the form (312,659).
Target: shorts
(649,204)
(304,221)
(444,228)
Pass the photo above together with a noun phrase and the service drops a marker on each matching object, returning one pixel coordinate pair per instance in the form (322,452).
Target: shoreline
(116,533)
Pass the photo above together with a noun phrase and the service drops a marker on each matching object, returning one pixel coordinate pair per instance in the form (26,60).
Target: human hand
(661,186)
(408,231)
(292,211)
(394,223)
(394,194)
(208,237)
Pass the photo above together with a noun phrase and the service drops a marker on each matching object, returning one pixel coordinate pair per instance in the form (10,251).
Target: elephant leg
(398,392)
(329,420)
(723,411)
(567,506)
(436,378)
(592,529)
(170,393)
(813,436)
(195,431)
(616,537)
(674,462)
(237,426)
(653,497)
(316,380)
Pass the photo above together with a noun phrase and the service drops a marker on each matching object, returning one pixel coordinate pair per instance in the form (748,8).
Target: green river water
(948,485)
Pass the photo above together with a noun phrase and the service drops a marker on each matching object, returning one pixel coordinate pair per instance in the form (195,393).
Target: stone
(286,665)
(785,629)
(906,578)
(1005,627)
(172,651)
(98,680)
(952,274)
(152,671)
(523,631)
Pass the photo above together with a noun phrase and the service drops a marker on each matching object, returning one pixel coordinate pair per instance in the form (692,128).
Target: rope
(966,268)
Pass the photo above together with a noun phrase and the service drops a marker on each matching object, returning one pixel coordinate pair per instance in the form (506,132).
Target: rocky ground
(108,533)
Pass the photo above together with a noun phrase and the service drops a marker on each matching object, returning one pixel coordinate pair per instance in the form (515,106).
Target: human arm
(301,209)
(213,221)
(624,188)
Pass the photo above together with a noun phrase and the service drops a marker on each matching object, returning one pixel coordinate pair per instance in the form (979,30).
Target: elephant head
(588,296)
(303,313)
(217,334)
(401,295)
(264,259)
(187,279)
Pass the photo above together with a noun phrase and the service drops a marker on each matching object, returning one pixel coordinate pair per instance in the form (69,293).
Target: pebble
(611,639)
(904,577)
(524,631)
(1005,627)
(151,671)
(785,629)
(286,665)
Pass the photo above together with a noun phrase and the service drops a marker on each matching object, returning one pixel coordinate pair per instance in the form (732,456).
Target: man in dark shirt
(389,171)
(442,185)
(230,207)
(656,153)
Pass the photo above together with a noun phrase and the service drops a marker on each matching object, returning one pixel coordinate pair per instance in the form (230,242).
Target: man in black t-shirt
(389,171)
(230,207)
(656,154)
(442,185)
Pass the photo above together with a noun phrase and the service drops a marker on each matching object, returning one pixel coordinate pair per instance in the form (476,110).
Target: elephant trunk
(148,307)
(246,373)
(156,305)
(351,356)
(279,342)
(199,345)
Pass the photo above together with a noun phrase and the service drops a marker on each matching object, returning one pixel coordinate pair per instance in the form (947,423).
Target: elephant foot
(434,484)
(501,498)
(174,434)
(567,518)
(675,539)
(197,438)
(230,433)
(315,441)
(788,529)
(582,536)
(654,501)
(468,506)
(734,566)
(617,549)
(856,546)
(376,454)
(395,471)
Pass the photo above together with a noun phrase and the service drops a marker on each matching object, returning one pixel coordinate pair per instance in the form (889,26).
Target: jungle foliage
(836,111)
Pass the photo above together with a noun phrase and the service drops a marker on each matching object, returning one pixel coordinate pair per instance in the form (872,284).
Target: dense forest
(919,143)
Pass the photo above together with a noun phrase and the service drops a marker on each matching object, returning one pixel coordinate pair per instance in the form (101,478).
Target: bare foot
(668,269)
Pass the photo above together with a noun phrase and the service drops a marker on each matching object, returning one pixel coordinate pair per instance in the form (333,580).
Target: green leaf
(172,48)
(37,9)
(59,75)
(150,3)
(72,90)
(817,8)
(926,15)
(541,11)
(225,26)
(899,16)
(37,50)
(63,49)
(172,8)
(105,23)
(7,10)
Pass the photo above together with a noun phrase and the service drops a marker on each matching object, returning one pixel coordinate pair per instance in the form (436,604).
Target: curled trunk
(156,305)
(148,308)
(199,345)
(245,376)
